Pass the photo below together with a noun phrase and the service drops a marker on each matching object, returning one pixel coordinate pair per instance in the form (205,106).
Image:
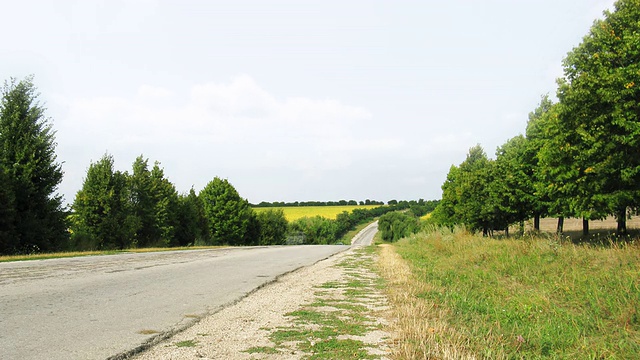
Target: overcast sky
(290,100)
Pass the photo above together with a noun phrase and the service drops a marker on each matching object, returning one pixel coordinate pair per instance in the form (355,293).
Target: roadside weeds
(419,329)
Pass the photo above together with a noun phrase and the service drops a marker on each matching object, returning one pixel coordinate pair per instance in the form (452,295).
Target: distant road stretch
(99,306)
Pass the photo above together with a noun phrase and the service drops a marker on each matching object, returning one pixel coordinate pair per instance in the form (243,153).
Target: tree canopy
(580,157)
(34,219)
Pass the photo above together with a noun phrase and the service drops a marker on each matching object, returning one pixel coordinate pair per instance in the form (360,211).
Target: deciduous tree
(228,215)
(600,97)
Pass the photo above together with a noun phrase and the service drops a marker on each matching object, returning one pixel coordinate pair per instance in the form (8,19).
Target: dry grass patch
(418,325)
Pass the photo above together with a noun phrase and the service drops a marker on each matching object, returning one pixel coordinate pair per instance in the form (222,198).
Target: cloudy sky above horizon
(290,100)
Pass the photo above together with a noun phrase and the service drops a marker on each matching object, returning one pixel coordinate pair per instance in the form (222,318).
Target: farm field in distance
(293,213)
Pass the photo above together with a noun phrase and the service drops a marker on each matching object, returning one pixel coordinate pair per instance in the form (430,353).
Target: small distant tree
(395,225)
(165,207)
(272,227)
(103,218)
(36,220)
(192,224)
(228,215)
(316,230)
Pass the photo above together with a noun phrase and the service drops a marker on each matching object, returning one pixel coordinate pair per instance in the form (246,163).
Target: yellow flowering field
(330,212)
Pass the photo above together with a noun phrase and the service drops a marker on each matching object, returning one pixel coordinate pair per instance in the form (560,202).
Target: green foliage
(580,157)
(512,190)
(395,225)
(103,215)
(154,201)
(35,219)
(272,227)
(192,224)
(315,230)
(600,98)
(7,214)
(229,216)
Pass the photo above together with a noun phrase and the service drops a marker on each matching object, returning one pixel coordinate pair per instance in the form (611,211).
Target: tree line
(579,156)
(130,209)
(317,203)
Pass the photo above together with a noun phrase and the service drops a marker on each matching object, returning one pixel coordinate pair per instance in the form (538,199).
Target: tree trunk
(585,227)
(560,227)
(622,222)
(521,228)
(536,222)
(506,232)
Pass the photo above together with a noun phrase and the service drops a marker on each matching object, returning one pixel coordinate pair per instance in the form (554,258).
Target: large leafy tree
(192,224)
(535,140)
(475,207)
(556,171)
(445,212)
(31,173)
(229,216)
(102,208)
(512,190)
(600,97)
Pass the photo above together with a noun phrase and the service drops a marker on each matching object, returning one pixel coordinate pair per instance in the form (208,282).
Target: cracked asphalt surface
(100,306)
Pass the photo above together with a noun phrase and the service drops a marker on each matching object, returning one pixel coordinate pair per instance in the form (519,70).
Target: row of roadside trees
(579,157)
(122,209)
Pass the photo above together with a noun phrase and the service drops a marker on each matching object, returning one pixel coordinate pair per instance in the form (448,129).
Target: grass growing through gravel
(186,343)
(334,324)
(465,296)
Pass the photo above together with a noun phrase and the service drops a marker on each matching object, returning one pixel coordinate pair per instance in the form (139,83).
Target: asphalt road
(101,306)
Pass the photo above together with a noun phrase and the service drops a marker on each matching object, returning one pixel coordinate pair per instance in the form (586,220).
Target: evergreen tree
(143,203)
(165,207)
(192,224)
(7,215)
(30,171)
(103,208)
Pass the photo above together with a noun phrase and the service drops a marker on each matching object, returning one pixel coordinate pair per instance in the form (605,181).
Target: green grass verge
(534,298)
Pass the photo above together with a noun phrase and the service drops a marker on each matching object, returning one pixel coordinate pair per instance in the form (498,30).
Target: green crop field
(330,212)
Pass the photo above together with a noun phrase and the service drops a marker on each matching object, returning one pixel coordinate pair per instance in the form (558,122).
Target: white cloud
(235,125)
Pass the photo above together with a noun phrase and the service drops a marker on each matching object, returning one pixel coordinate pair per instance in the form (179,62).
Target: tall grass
(531,298)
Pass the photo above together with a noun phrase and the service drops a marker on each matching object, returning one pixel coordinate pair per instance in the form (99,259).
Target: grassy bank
(463,296)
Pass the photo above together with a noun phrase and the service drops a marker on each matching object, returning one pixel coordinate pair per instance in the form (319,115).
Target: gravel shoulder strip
(327,291)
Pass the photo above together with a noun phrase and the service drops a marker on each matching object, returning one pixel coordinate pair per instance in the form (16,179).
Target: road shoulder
(333,309)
